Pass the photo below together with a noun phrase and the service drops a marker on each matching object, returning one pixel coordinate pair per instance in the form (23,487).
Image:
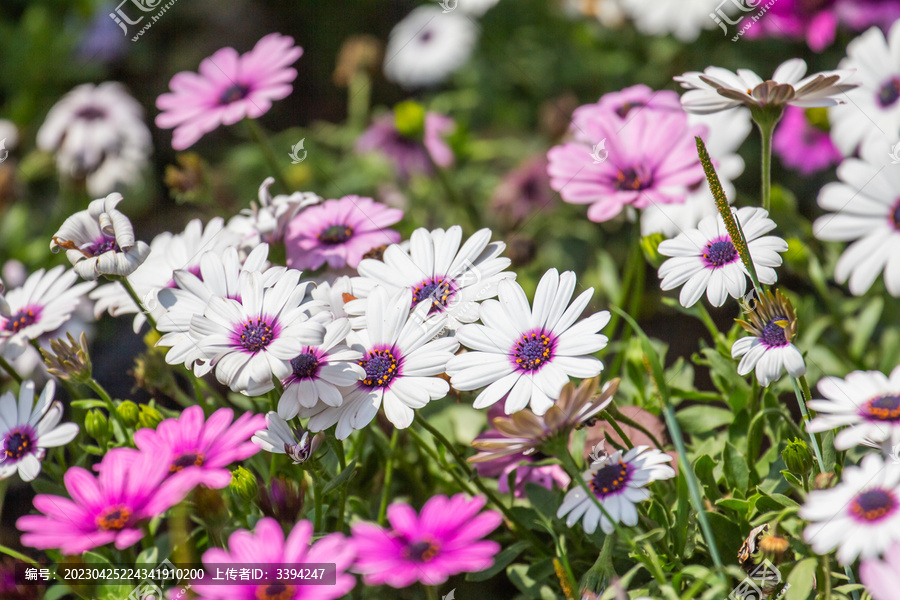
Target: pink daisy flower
(229,87)
(644,158)
(210,445)
(132,487)
(443,540)
(268,545)
(882,577)
(409,155)
(802,145)
(339,232)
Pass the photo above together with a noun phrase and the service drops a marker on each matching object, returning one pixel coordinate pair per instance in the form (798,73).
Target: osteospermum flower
(685,20)
(866,212)
(409,155)
(229,87)
(317,372)
(251,341)
(717,89)
(706,260)
(210,445)
(100,240)
(278,437)
(444,539)
(768,349)
(168,253)
(339,232)
(802,144)
(401,361)
(860,517)
(267,221)
(28,429)
(619,482)
(518,466)
(132,488)
(448,276)
(98,134)
(428,45)
(882,577)
(267,544)
(44,303)
(647,158)
(528,354)
(867,402)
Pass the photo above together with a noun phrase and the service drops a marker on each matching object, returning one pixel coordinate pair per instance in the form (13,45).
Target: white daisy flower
(529,354)
(452,280)
(44,303)
(219,276)
(267,221)
(28,429)
(684,19)
(476,8)
(100,240)
(706,260)
(619,482)
(401,360)
(98,133)
(279,438)
(428,45)
(334,296)
(717,89)
(168,252)
(867,212)
(867,402)
(251,341)
(773,324)
(9,134)
(872,115)
(318,372)
(860,516)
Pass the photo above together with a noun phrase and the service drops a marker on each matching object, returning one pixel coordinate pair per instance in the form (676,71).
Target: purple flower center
(623,110)
(422,551)
(381,366)
(306,365)
(883,408)
(275,591)
(90,113)
(610,479)
(439,289)
(873,505)
(426,36)
(114,518)
(18,443)
(186,460)
(773,334)
(533,351)
(894,215)
(720,253)
(233,94)
(889,92)
(631,180)
(104,244)
(335,234)
(22,319)
(256,335)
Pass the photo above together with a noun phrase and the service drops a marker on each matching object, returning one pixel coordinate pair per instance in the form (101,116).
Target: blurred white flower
(279,438)
(268,220)
(684,19)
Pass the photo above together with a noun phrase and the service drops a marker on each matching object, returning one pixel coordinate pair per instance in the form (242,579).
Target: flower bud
(149,417)
(243,484)
(96,425)
(409,117)
(129,412)
(69,360)
(798,458)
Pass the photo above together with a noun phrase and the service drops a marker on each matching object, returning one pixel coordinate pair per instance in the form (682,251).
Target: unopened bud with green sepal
(243,484)
(149,417)
(798,458)
(96,425)
(129,412)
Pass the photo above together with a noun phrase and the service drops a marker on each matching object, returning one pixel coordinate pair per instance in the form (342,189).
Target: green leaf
(543,500)
(737,473)
(792,479)
(700,419)
(501,561)
(801,579)
(735,504)
(342,478)
(88,404)
(864,326)
(829,456)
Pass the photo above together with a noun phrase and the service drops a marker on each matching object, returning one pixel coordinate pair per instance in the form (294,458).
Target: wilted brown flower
(69,360)
(358,53)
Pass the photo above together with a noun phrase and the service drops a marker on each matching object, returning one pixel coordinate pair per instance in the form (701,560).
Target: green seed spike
(731,224)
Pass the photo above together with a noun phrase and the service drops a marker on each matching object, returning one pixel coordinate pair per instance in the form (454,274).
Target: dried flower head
(69,360)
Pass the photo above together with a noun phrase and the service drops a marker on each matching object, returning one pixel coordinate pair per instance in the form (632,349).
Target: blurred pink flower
(229,87)
(409,155)
(882,577)
(801,145)
(339,232)
(524,191)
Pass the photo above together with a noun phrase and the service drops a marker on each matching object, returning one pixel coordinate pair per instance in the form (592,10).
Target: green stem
(134,297)
(826,571)
(388,478)
(609,419)
(634,269)
(766,130)
(358,95)
(317,492)
(342,501)
(431,592)
(262,141)
(801,400)
(717,335)
(18,555)
(632,423)
(102,393)
(12,372)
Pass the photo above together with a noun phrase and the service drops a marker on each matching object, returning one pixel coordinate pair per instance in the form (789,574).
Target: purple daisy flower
(803,145)
(407,154)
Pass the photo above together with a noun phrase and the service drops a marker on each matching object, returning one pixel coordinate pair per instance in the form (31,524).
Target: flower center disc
(90,113)
(630,180)
(186,460)
(889,92)
(894,216)
(773,334)
(623,110)
(532,351)
(114,518)
(721,253)
(381,367)
(18,443)
(101,246)
(306,365)
(610,479)
(336,234)
(438,289)
(873,505)
(256,335)
(21,320)
(885,408)
(275,591)
(233,94)
(423,551)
